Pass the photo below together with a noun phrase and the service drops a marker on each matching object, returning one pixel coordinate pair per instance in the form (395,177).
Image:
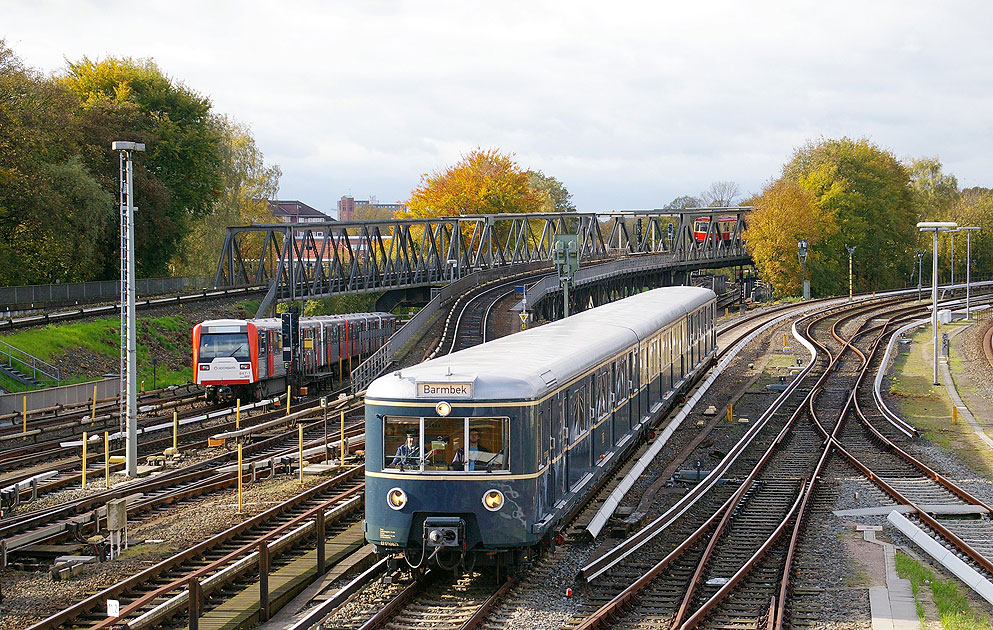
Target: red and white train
(243,358)
(722,232)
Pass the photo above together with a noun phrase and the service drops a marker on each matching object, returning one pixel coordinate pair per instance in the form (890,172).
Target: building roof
(293,208)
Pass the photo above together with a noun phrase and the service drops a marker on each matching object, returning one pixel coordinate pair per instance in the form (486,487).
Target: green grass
(166,338)
(927,407)
(952,604)
(250,308)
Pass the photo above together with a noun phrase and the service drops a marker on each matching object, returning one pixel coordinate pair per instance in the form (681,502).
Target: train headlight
(443,408)
(493,500)
(396,498)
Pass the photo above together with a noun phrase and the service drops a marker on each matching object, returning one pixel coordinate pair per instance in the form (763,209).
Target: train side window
(402,443)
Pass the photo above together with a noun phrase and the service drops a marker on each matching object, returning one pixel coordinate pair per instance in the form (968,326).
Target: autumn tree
(683,202)
(559,199)
(179,177)
(482,182)
(247,184)
(786,213)
(934,192)
(972,207)
(863,191)
(54,213)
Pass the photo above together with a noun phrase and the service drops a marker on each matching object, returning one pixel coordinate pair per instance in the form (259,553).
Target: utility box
(117,515)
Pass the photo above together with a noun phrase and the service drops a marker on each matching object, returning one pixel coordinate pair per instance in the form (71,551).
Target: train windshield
(439,444)
(216,345)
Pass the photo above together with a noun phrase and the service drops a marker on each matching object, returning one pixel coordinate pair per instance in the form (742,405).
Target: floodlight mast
(935,227)
(968,266)
(129,368)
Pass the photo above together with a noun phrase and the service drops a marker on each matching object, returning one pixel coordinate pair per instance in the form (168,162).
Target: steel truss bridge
(305,261)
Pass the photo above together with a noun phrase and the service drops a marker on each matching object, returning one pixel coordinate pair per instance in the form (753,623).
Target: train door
(562,439)
(263,358)
(551,431)
(271,344)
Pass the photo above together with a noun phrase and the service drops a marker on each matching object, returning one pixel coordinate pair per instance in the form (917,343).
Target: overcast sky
(629,104)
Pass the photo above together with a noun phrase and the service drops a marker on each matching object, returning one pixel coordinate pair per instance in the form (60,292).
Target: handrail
(35,366)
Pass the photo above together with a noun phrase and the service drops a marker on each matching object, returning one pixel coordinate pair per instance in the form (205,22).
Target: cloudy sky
(630,104)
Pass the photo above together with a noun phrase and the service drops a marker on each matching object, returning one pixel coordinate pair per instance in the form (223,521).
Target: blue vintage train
(478,455)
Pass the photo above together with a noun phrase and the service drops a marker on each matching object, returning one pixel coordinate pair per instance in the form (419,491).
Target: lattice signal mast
(129,387)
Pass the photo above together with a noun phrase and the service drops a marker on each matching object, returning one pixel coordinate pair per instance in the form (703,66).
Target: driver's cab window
(443,444)
(443,437)
(487,440)
(402,443)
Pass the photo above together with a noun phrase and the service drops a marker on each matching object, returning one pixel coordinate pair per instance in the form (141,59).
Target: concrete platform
(318,469)
(892,606)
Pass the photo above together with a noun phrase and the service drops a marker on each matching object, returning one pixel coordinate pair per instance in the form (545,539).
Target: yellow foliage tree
(786,213)
(482,182)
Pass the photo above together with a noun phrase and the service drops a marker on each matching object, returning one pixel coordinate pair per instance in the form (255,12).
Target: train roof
(275,321)
(529,364)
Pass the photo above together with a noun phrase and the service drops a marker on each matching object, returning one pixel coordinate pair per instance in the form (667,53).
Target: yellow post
(237,414)
(300,431)
(93,415)
(730,414)
(786,343)
(239,477)
(343,446)
(175,431)
(106,457)
(24,415)
(726,311)
(288,387)
(955,415)
(84,460)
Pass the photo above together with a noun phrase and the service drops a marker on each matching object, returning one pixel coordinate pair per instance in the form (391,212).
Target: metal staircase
(26,368)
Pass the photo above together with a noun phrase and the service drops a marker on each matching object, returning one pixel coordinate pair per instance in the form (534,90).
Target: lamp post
(851,250)
(952,232)
(935,227)
(920,278)
(801,255)
(968,265)
(129,368)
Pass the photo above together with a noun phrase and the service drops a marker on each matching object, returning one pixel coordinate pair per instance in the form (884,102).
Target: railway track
(391,602)
(728,570)
(217,566)
(72,519)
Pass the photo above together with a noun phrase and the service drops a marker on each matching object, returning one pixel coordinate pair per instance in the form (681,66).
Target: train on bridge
(242,358)
(479,456)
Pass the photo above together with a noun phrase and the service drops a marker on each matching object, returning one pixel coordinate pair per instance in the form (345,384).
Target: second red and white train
(243,358)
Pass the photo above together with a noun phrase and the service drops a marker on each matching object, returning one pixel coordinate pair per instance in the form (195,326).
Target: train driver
(475,448)
(408,453)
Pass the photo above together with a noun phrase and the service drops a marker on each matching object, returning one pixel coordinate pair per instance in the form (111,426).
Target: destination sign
(445,390)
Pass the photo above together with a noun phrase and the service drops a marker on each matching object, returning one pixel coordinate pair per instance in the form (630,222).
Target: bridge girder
(302,261)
